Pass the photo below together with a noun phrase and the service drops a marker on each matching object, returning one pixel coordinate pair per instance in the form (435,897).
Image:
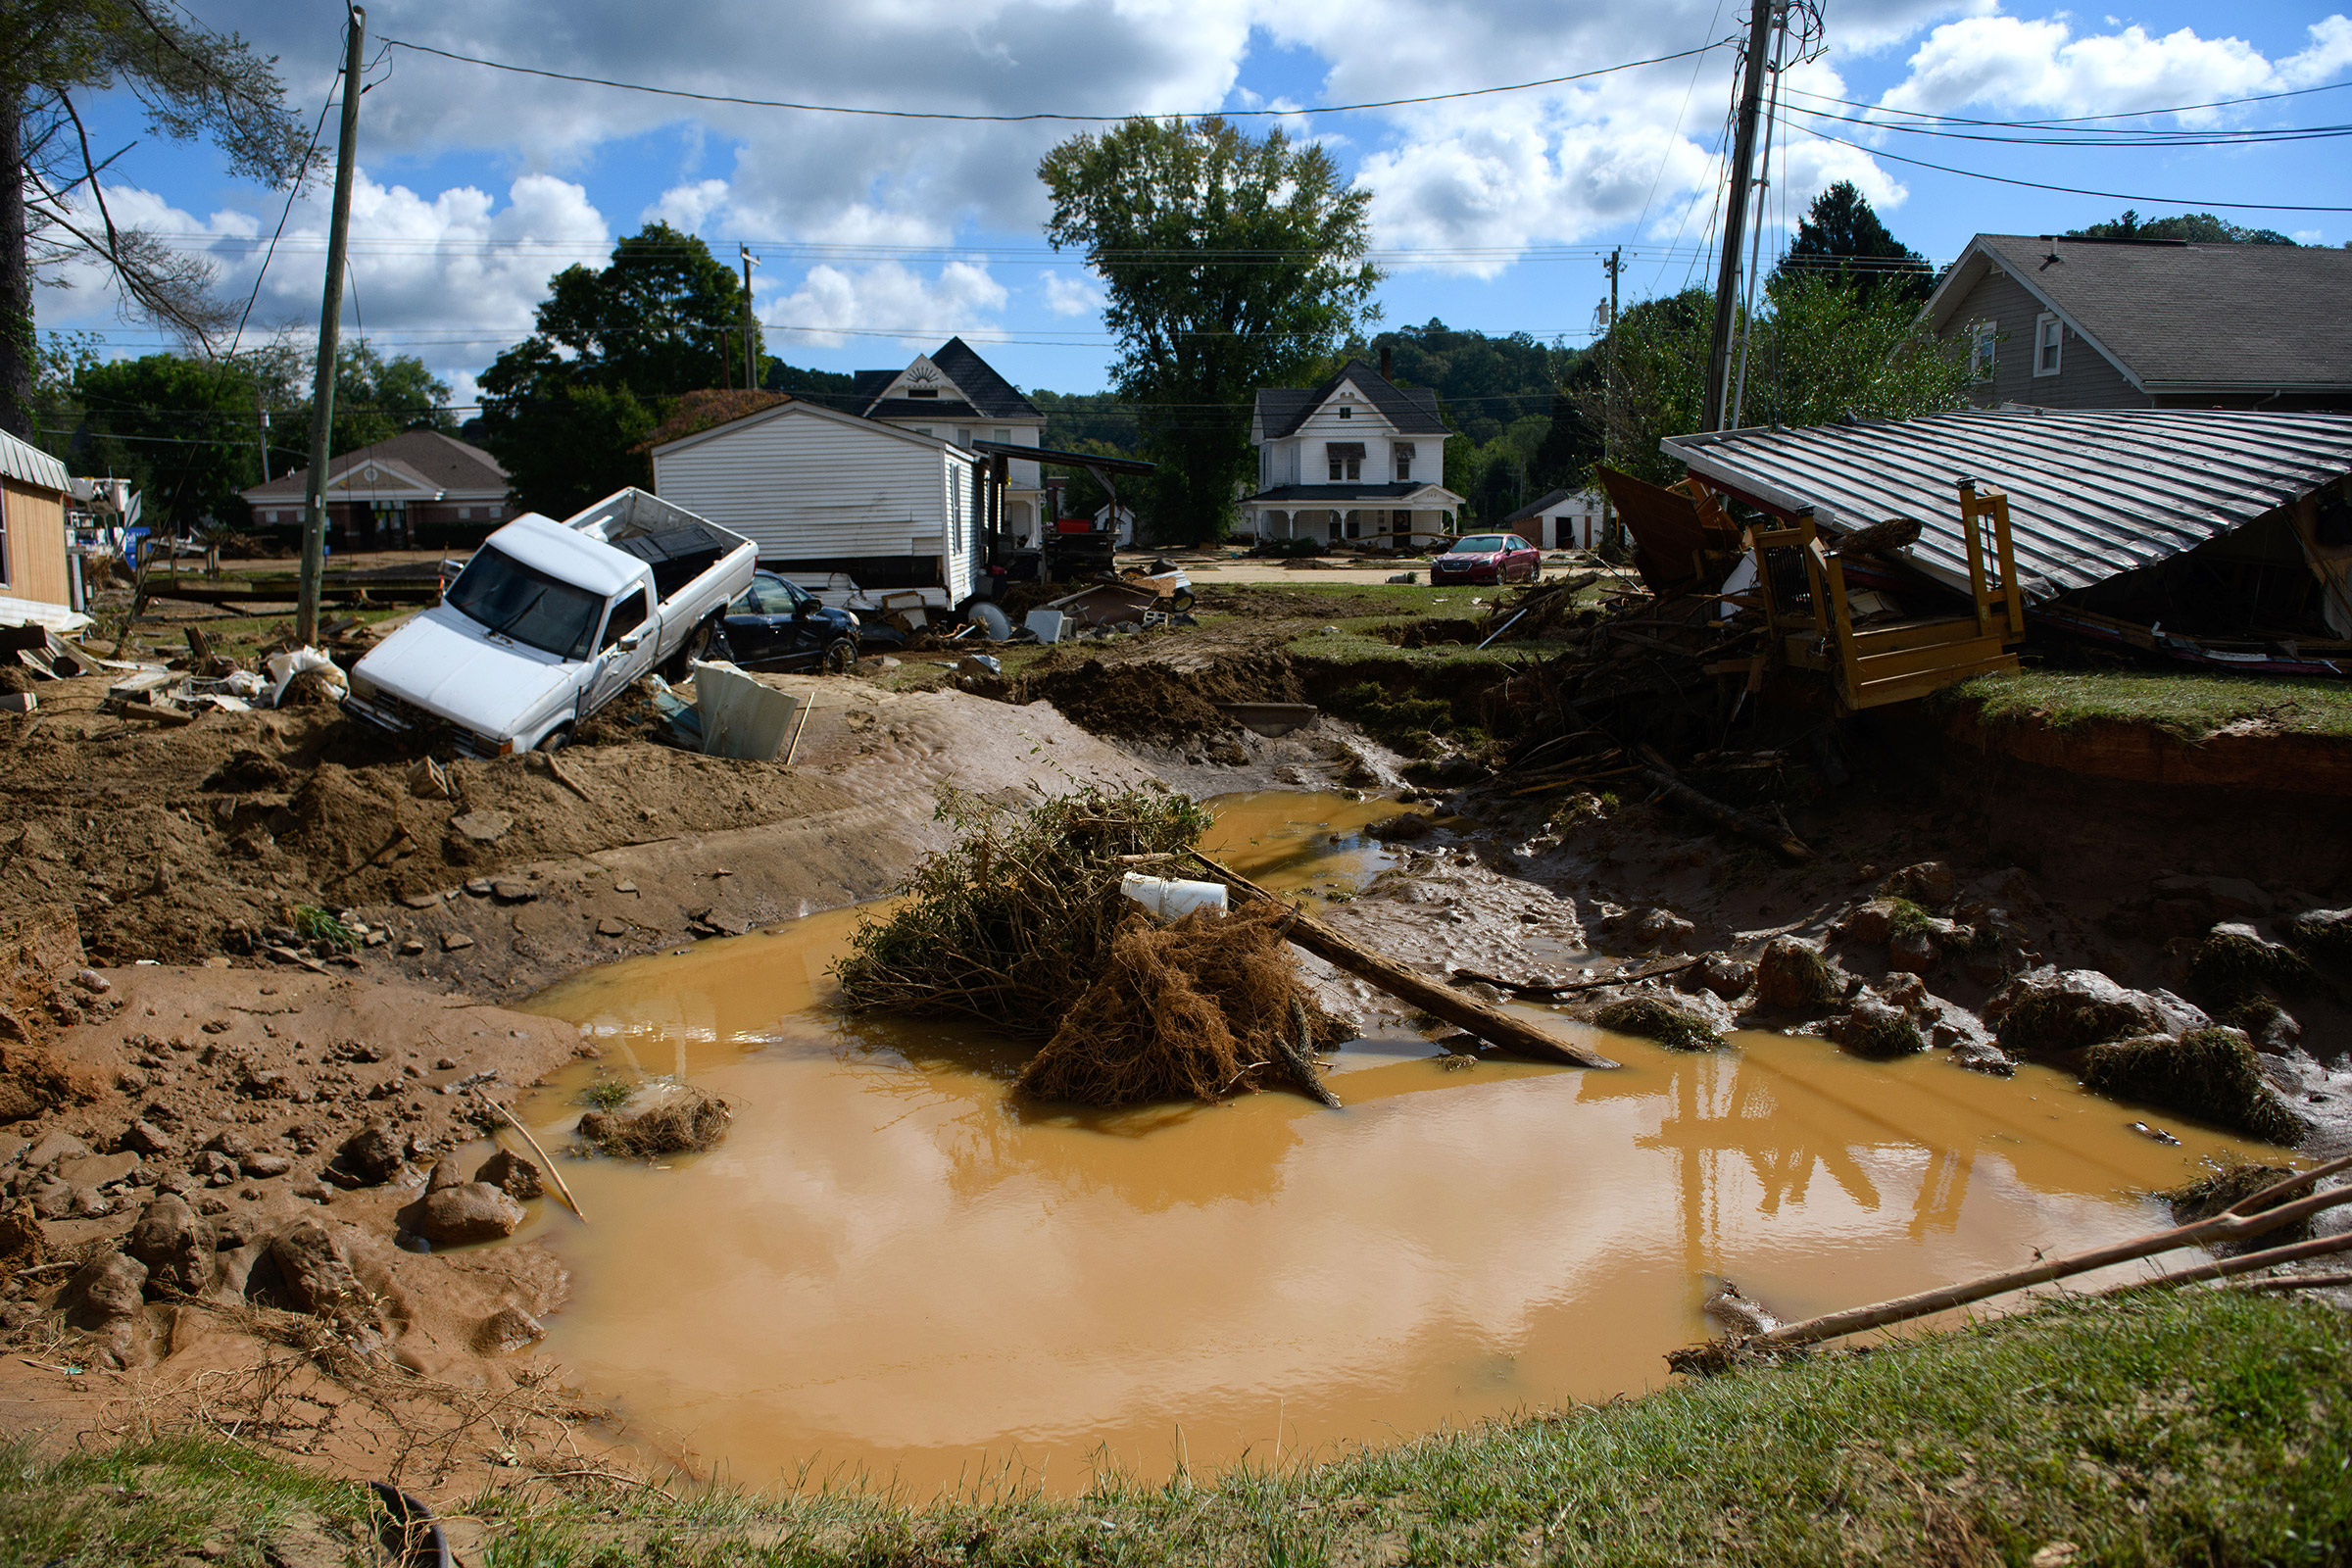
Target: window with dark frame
(1346,459)
(1405,461)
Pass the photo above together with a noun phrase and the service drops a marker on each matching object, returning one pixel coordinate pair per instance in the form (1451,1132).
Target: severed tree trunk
(16,273)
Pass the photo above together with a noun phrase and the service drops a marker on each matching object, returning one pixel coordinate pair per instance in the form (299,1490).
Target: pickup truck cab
(552,621)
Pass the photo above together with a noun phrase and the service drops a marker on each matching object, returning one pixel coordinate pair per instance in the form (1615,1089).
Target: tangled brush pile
(1020,924)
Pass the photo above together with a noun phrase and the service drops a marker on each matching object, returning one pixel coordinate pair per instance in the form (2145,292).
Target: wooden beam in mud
(1491,1024)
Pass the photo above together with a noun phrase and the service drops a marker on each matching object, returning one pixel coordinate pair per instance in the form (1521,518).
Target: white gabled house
(1356,457)
(826,494)
(1564,519)
(955,395)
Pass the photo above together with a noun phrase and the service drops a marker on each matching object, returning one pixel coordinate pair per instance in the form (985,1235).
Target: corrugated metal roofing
(2091,495)
(30,464)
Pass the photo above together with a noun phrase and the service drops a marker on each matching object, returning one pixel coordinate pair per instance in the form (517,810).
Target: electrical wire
(284,212)
(2104,136)
(2072,190)
(2070,120)
(1045,115)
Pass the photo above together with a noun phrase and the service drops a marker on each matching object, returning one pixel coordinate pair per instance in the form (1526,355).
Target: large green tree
(563,409)
(1230,264)
(1841,237)
(193,82)
(186,432)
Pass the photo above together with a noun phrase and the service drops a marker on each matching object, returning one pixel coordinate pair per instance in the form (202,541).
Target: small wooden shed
(33,492)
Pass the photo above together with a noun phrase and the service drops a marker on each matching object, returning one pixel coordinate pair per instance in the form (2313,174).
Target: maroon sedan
(1496,558)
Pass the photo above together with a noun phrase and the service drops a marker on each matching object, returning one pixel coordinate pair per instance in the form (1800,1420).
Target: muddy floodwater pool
(894,1268)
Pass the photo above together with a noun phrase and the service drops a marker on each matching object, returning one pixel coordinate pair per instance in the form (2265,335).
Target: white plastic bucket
(1170,899)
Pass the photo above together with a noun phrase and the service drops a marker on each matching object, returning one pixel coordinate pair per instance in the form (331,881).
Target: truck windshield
(526,604)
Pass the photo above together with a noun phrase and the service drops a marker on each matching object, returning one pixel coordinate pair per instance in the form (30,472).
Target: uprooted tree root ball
(1648,1018)
(1203,1008)
(1012,923)
(661,1118)
(2209,1074)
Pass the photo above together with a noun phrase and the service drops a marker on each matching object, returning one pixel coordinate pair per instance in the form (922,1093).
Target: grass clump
(1905,918)
(1409,725)
(2218,1190)
(606,1094)
(2188,1426)
(1878,1032)
(2191,705)
(321,928)
(1011,923)
(2324,936)
(1650,1018)
(2234,970)
(2211,1074)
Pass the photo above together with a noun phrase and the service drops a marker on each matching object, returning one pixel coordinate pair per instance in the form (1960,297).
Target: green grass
(2194,705)
(2199,1426)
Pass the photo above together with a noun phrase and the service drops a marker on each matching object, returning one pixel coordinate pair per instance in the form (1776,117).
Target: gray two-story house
(2078,324)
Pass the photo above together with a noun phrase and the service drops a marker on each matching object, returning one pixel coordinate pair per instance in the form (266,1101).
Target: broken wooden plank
(1491,1024)
(1672,966)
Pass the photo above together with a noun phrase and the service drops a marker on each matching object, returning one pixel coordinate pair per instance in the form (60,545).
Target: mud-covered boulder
(1929,882)
(1871,922)
(468,1212)
(1792,976)
(1664,930)
(2233,964)
(662,1118)
(1912,950)
(318,1276)
(1650,1017)
(112,1284)
(1723,974)
(2324,936)
(370,1157)
(177,1245)
(511,1174)
(2210,1073)
(2054,1012)
(1876,1029)
(508,1330)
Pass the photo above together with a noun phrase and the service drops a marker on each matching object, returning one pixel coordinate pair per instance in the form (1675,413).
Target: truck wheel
(839,656)
(696,646)
(555,740)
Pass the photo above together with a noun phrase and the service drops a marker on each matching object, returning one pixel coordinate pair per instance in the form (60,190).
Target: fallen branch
(2293,1281)
(553,1174)
(2244,1263)
(2241,1220)
(1770,834)
(555,770)
(1491,1024)
(1673,966)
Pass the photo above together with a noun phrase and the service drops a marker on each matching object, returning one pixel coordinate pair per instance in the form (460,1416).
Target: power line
(2071,190)
(2070,119)
(2104,135)
(1043,114)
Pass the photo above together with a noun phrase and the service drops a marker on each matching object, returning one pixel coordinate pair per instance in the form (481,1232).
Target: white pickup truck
(551,620)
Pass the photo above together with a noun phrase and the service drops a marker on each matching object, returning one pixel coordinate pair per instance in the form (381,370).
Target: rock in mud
(1655,1018)
(2224,1189)
(368,1158)
(468,1212)
(1402,828)
(175,1245)
(2055,1012)
(1870,923)
(445,1173)
(318,1277)
(1876,1029)
(2209,1074)
(2324,936)
(1929,882)
(1792,976)
(2235,964)
(145,1138)
(1982,1055)
(1912,952)
(510,1174)
(21,1240)
(109,1286)
(1724,975)
(660,1118)
(52,1147)
(1664,930)
(508,1330)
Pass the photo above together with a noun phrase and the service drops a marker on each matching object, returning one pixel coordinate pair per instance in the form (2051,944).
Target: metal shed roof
(2091,494)
(30,464)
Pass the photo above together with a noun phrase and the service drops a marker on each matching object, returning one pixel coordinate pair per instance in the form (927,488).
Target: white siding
(807,487)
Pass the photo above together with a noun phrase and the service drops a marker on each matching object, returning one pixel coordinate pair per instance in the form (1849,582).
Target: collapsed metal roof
(2091,494)
(28,463)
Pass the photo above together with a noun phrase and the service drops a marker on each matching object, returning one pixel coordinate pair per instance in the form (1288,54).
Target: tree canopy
(563,409)
(2199,229)
(193,82)
(1841,237)
(1230,264)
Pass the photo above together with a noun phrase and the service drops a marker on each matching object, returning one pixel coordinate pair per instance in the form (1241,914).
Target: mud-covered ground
(173,1027)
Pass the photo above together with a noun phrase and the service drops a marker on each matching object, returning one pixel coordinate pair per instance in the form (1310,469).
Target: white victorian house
(956,396)
(1356,457)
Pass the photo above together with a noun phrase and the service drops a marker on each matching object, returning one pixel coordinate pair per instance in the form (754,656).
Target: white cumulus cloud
(835,304)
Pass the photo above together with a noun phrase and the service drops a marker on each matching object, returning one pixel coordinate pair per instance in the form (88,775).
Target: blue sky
(878,237)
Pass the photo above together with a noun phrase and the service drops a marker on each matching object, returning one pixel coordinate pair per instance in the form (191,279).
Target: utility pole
(750,376)
(1734,214)
(330,324)
(1608,399)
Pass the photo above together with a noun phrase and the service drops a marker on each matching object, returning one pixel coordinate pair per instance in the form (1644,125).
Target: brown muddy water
(894,1270)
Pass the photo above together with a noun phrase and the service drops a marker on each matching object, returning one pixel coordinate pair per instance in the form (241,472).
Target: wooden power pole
(330,324)
(1735,215)
(751,369)
(1608,399)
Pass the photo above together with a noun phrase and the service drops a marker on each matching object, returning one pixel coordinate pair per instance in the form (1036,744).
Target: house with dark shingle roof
(2076,324)
(377,496)
(1359,457)
(956,396)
